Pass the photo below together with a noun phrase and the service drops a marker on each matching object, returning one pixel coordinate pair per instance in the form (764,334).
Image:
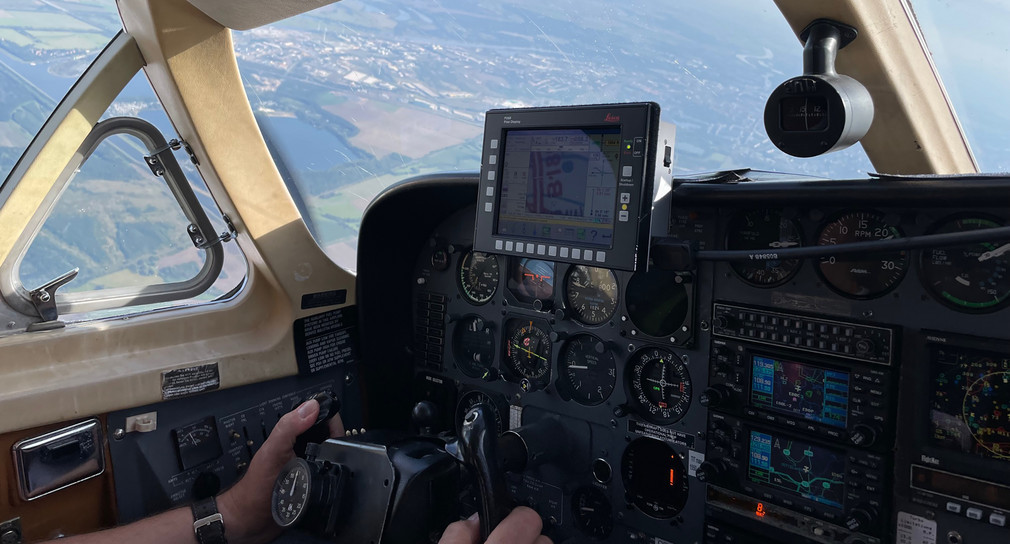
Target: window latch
(154,159)
(202,242)
(44,300)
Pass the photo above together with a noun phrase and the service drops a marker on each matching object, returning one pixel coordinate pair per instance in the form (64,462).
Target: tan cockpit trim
(915,130)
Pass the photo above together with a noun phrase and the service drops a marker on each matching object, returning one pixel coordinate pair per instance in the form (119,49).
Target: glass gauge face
(655,478)
(861,276)
(197,443)
(986,401)
(473,346)
(478,276)
(766,230)
(290,497)
(531,279)
(591,294)
(660,386)
(473,398)
(588,370)
(657,301)
(592,513)
(973,278)
(528,351)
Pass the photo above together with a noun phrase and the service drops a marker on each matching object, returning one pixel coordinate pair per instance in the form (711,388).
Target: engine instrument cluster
(808,399)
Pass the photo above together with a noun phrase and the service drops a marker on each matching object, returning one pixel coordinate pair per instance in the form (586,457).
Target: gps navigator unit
(571,184)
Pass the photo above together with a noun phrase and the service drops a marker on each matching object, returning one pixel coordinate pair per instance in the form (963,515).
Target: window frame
(14,293)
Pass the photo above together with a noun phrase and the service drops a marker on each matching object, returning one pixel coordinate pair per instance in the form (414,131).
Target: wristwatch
(207,522)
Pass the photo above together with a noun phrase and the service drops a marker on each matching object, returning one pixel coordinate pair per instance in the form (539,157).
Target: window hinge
(44,300)
(154,159)
(10,531)
(202,242)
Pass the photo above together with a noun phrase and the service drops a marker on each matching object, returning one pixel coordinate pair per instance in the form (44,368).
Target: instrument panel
(729,401)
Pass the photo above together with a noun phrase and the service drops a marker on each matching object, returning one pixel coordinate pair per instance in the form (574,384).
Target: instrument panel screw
(118,434)
(11,324)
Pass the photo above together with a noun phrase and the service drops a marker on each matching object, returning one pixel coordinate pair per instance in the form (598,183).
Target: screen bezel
(639,129)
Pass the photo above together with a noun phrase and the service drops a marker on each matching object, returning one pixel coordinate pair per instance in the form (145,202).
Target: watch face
(290,498)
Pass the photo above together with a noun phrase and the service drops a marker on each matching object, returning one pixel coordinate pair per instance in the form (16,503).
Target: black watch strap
(207,522)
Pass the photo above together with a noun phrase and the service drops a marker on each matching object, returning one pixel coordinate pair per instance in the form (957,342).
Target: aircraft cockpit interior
(535,303)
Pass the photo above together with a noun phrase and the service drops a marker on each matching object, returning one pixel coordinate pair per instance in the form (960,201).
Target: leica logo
(611,118)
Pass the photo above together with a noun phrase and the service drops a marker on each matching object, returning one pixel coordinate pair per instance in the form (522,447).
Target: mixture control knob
(860,518)
(863,434)
(714,472)
(715,396)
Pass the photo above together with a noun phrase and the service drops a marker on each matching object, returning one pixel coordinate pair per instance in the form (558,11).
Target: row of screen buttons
(995,518)
(550,251)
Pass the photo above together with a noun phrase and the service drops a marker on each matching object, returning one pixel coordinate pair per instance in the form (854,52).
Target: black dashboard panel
(731,401)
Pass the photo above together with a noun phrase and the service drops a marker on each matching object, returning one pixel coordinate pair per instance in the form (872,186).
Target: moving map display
(812,472)
(970,404)
(813,393)
(560,185)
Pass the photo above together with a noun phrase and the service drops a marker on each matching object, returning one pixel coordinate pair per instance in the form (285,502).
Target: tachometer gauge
(528,351)
(768,231)
(478,276)
(655,478)
(591,294)
(291,495)
(473,398)
(473,346)
(588,370)
(660,385)
(592,513)
(861,276)
(973,278)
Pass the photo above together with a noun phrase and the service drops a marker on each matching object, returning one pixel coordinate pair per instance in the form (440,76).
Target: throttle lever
(479,444)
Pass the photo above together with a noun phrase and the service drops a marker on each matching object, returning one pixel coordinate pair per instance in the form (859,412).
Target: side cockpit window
(126,225)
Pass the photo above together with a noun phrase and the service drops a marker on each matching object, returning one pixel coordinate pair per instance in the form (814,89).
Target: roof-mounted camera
(820,111)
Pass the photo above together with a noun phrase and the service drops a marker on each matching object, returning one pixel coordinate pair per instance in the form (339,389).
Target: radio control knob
(864,346)
(715,396)
(714,472)
(721,322)
(863,434)
(860,518)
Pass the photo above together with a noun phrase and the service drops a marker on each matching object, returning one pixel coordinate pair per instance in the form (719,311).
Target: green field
(39,20)
(59,39)
(15,37)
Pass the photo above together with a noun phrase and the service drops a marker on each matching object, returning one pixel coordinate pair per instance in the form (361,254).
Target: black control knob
(721,322)
(715,472)
(864,346)
(861,518)
(863,434)
(425,416)
(715,396)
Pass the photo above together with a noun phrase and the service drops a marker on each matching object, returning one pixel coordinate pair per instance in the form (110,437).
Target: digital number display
(970,402)
(813,393)
(812,472)
(560,185)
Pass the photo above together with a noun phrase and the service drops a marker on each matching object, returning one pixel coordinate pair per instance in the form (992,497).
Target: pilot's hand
(522,526)
(246,506)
